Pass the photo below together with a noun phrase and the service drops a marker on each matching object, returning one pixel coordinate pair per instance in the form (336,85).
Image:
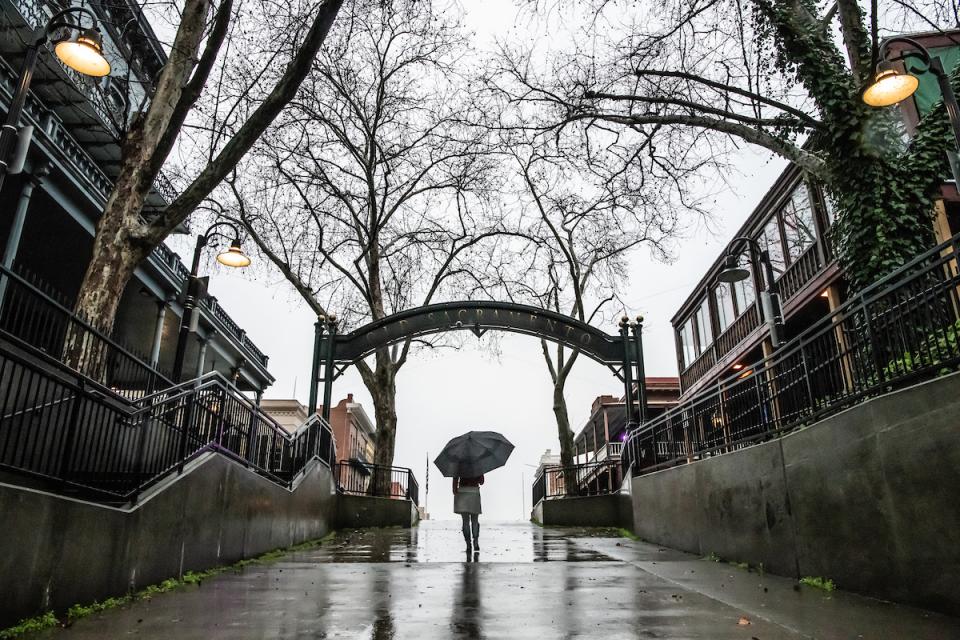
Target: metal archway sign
(334,352)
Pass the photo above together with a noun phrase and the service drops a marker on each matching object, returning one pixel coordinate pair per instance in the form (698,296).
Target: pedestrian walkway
(526,582)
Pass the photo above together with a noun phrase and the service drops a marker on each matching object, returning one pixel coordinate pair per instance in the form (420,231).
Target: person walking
(466,502)
(465,459)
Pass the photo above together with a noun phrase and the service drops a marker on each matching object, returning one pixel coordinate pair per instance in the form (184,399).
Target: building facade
(554,481)
(353,430)
(52,207)
(289,413)
(720,329)
(601,437)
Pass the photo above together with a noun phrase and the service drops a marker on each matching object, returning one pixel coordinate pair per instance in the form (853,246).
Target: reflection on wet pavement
(441,541)
(526,583)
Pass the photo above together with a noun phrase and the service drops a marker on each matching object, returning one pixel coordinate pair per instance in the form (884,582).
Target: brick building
(353,431)
(603,434)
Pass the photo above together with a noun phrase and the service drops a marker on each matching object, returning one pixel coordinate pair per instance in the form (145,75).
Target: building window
(770,240)
(726,309)
(696,333)
(798,225)
(744,295)
(687,345)
(704,329)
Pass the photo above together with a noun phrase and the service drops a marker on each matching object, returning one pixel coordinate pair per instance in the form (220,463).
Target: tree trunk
(115,255)
(110,269)
(383,390)
(565,435)
(120,234)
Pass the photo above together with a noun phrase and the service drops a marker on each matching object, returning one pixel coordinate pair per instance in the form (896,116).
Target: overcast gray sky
(442,394)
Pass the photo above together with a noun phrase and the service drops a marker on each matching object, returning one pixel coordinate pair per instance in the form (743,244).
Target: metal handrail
(104,447)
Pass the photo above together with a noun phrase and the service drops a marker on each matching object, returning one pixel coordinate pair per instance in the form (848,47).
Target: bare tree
(694,80)
(290,35)
(368,194)
(584,215)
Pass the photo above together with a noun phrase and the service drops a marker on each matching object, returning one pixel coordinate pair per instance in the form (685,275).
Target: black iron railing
(364,479)
(590,479)
(539,488)
(72,434)
(41,321)
(900,330)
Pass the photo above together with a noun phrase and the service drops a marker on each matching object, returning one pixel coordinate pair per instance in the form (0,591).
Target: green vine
(883,191)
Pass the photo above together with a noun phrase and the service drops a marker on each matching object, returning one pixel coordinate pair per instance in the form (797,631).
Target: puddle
(442,541)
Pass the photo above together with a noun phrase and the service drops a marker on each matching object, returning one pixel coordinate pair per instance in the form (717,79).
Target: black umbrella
(473,454)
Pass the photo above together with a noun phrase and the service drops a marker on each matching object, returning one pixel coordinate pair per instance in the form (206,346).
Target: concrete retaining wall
(354,512)
(57,551)
(869,498)
(613,510)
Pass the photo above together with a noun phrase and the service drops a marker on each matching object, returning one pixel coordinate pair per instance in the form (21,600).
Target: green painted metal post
(627,371)
(315,365)
(641,370)
(328,368)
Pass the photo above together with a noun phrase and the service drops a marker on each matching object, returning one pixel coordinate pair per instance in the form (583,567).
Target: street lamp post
(232,257)
(641,369)
(769,298)
(82,52)
(889,86)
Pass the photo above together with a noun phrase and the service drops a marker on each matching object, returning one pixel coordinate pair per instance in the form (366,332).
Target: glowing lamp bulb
(84,54)
(889,86)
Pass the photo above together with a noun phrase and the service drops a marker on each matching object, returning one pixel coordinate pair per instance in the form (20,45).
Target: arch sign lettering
(334,352)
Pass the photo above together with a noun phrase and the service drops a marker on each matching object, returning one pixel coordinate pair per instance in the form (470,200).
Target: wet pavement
(526,582)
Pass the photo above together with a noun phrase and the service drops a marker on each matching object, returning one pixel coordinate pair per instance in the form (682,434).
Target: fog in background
(442,393)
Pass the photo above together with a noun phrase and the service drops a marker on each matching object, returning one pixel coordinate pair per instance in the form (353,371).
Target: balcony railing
(800,272)
(738,331)
(699,367)
(803,270)
(590,479)
(902,329)
(608,451)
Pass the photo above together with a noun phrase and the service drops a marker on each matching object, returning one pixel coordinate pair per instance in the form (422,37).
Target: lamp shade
(234,256)
(84,54)
(889,86)
(732,271)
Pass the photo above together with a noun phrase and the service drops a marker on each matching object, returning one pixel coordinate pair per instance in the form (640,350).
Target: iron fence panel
(355,477)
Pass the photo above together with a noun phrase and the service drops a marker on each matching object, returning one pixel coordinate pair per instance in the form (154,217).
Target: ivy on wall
(883,187)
